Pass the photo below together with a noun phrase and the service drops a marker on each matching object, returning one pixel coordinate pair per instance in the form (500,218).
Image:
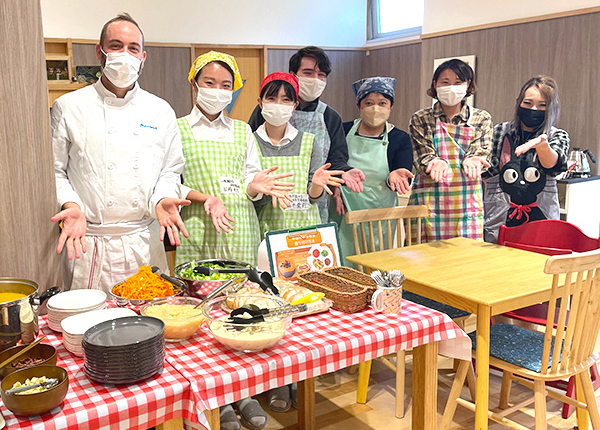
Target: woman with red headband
(281,144)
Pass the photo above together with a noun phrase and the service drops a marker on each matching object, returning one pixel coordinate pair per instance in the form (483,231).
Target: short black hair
(310,51)
(463,71)
(221,63)
(272,90)
(387,96)
(120,17)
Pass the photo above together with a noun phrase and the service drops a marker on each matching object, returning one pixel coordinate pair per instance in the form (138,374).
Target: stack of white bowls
(75,326)
(69,303)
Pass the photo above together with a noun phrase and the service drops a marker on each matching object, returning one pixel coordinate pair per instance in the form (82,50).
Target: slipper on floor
(228,418)
(251,413)
(279,399)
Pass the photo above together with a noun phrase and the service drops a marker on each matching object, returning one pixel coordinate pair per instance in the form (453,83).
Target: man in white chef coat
(117,162)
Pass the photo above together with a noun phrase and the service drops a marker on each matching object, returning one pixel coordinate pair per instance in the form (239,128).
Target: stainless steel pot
(19,318)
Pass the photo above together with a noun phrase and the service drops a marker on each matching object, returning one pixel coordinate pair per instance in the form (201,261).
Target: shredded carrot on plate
(145,285)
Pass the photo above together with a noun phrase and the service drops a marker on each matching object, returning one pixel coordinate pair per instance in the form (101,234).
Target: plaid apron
(455,203)
(217,168)
(302,213)
(369,155)
(314,122)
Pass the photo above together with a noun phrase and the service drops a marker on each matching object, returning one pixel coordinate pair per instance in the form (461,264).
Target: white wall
(442,15)
(277,22)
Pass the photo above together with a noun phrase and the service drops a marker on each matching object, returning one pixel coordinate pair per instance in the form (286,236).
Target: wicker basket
(347,296)
(354,276)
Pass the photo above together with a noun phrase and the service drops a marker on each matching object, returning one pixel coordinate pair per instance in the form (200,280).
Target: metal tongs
(207,271)
(48,383)
(250,313)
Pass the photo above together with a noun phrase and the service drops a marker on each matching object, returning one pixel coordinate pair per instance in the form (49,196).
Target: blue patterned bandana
(378,84)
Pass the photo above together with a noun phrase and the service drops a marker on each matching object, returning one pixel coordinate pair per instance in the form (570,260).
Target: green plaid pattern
(271,218)
(205,163)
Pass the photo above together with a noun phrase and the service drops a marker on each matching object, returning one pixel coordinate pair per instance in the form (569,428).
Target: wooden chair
(531,358)
(550,237)
(366,225)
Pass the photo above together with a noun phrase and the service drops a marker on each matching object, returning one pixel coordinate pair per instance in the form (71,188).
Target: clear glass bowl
(181,320)
(251,337)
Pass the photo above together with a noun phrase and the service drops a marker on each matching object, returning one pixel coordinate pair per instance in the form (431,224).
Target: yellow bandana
(211,56)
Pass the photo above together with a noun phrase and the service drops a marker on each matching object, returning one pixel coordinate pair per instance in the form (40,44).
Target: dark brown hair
(310,51)
(120,17)
(221,63)
(462,70)
(548,88)
(272,90)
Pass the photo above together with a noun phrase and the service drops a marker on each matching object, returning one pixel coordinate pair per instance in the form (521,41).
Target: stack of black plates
(124,350)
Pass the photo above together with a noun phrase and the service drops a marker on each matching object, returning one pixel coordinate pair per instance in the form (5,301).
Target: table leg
(425,377)
(174,424)
(212,416)
(306,404)
(483,368)
(583,417)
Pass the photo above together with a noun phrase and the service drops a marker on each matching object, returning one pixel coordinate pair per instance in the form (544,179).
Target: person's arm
(251,163)
(400,160)
(559,141)
(421,135)
(338,151)
(551,151)
(494,159)
(481,145)
(256,119)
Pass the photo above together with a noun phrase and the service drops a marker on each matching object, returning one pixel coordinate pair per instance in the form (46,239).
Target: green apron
(370,156)
(217,168)
(301,213)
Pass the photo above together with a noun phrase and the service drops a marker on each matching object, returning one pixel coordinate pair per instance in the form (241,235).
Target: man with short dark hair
(312,66)
(117,163)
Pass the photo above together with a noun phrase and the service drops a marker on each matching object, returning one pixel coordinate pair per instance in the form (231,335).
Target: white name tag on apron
(300,202)
(229,185)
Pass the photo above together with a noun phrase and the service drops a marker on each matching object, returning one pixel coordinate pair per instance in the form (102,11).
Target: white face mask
(375,116)
(451,95)
(213,100)
(310,88)
(121,68)
(276,114)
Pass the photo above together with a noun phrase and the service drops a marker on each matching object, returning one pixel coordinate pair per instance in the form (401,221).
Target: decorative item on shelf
(87,74)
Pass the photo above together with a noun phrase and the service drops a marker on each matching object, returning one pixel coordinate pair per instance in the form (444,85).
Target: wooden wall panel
(165,73)
(346,67)
(27,186)
(565,48)
(403,63)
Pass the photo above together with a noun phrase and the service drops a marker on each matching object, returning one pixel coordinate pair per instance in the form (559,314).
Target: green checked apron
(217,168)
(455,203)
(370,156)
(314,122)
(301,213)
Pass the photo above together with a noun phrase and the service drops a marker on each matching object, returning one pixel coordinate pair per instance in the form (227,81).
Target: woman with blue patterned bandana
(223,170)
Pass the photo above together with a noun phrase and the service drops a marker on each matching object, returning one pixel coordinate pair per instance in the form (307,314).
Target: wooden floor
(336,406)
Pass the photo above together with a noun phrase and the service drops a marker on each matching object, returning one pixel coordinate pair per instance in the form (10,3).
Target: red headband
(280,76)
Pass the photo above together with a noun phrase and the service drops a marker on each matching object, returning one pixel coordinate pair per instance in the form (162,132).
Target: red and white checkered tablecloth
(89,405)
(314,345)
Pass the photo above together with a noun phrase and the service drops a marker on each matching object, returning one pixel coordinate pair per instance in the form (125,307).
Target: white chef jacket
(116,158)
(221,130)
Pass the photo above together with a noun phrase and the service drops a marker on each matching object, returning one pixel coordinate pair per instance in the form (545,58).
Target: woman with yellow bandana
(223,171)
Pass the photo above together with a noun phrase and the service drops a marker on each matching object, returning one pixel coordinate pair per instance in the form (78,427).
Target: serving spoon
(48,383)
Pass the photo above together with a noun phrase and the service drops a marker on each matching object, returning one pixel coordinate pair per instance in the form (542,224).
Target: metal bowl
(138,303)
(201,287)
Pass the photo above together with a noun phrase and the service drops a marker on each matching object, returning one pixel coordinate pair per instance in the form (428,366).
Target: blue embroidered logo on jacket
(149,126)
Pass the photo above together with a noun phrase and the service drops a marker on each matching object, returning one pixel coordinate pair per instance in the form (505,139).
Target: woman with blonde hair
(537,110)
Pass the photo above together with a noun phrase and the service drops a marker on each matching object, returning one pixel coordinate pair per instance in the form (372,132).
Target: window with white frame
(395,18)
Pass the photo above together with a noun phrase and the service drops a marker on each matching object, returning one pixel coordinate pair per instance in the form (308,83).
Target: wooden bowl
(38,403)
(42,350)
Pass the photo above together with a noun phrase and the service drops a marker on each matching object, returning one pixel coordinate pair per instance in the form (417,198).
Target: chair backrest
(575,280)
(363,221)
(549,236)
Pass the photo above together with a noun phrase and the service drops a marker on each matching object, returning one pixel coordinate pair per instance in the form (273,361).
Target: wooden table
(479,277)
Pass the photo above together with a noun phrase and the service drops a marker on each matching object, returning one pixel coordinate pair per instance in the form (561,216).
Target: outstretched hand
(353,179)
(399,180)
(167,214)
(325,178)
(74,226)
(472,166)
(340,207)
(267,183)
(437,169)
(541,140)
(215,208)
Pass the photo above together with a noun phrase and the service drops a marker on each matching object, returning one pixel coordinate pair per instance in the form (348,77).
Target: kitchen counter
(579,203)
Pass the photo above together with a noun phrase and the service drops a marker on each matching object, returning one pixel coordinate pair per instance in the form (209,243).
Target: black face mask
(531,117)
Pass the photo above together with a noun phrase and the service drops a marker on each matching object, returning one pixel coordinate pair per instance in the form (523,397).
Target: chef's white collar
(105,93)
(197,117)
(290,134)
